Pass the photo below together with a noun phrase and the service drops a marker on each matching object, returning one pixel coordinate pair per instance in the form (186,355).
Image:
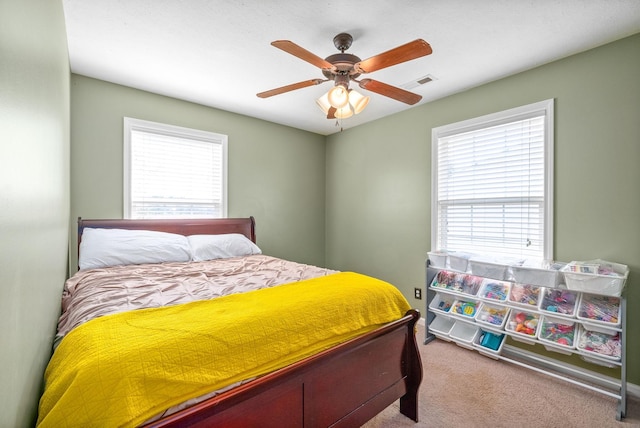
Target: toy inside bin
(492,315)
(600,310)
(464,308)
(442,303)
(457,282)
(559,302)
(489,343)
(523,324)
(525,295)
(598,343)
(558,332)
(494,290)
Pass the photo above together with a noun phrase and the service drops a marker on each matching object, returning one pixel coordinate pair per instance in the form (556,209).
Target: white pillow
(210,247)
(111,247)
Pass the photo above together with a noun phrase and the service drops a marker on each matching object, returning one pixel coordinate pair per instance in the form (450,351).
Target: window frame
(132,124)
(545,107)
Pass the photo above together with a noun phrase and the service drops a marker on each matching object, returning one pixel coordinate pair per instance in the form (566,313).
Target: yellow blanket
(122,369)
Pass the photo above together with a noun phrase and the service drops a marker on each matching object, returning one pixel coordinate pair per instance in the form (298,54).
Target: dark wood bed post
(409,402)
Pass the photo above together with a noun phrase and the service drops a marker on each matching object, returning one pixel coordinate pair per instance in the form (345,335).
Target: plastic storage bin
(599,344)
(525,295)
(464,334)
(492,315)
(441,327)
(459,261)
(608,280)
(489,343)
(558,302)
(438,259)
(488,269)
(470,284)
(551,277)
(464,308)
(559,333)
(457,282)
(494,290)
(444,279)
(441,303)
(524,325)
(600,310)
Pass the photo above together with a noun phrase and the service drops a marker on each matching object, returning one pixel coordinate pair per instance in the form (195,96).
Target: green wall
(358,200)
(34,196)
(276,173)
(379,183)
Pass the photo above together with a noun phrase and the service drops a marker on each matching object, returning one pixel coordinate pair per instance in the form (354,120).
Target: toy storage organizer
(480,305)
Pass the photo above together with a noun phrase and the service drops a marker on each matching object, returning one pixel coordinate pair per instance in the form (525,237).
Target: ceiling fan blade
(406,52)
(292,87)
(390,91)
(302,53)
(331,114)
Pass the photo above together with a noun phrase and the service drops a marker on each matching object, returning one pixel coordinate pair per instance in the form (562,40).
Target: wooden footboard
(344,386)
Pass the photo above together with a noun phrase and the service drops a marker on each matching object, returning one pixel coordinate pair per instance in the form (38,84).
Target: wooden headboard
(213,226)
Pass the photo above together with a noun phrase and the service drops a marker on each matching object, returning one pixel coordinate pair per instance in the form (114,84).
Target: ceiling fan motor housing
(343,62)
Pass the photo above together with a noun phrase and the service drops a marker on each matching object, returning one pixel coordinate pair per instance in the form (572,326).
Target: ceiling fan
(343,68)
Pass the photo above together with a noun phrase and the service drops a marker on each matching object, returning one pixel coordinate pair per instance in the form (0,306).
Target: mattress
(137,340)
(96,292)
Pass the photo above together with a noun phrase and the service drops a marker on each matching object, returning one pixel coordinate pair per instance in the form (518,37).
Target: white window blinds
(492,185)
(173,172)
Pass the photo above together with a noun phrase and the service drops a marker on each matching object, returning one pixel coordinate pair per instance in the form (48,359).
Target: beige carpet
(462,388)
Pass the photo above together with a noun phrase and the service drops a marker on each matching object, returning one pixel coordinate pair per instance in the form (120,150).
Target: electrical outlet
(417,292)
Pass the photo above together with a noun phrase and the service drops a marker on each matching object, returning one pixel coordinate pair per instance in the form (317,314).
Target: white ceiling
(218,53)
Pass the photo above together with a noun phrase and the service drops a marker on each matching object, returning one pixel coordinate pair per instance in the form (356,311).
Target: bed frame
(344,386)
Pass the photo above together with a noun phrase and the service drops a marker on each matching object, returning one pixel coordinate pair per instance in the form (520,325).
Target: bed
(302,366)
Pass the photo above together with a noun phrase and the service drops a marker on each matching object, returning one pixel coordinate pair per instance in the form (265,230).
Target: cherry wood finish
(343,386)
(218,226)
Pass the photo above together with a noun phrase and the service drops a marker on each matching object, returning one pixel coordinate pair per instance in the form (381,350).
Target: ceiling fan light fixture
(344,112)
(323,103)
(338,96)
(357,101)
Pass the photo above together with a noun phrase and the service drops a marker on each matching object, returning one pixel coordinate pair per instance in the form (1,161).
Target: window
(173,172)
(492,184)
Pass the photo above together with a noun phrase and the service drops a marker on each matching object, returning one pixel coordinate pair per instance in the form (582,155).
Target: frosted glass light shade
(357,101)
(323,103)
(338,96)
(344,112)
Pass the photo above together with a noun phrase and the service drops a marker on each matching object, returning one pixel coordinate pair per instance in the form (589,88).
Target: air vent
(419,81)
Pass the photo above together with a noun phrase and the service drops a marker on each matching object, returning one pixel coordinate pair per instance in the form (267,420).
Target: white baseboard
(633,390)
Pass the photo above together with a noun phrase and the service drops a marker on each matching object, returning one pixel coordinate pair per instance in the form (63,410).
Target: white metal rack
(610,386)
